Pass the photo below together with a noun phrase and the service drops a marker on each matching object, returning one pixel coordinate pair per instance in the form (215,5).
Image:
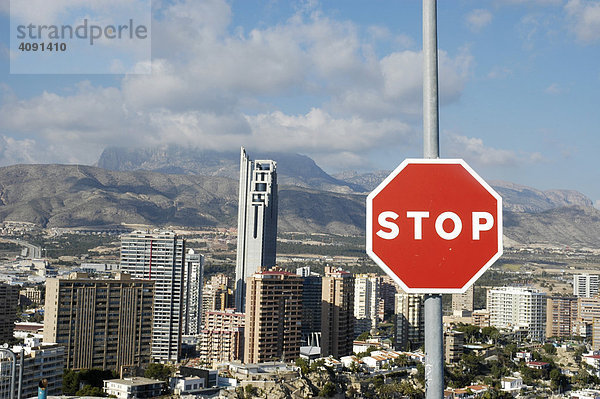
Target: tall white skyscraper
(366,302)
(192,293)
(585,285)
(159,257)
(257,222)
(518,308)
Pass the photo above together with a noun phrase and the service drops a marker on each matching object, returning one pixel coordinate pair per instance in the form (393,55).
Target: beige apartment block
(337,313)
(273,316)
(101,323)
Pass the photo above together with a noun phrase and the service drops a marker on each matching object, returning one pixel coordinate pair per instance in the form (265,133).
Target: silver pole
(434,345)
(21,366)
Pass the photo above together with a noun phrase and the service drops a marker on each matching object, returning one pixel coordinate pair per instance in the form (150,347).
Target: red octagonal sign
(434,225)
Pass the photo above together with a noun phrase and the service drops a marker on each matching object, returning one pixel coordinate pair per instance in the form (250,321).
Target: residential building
(257,222)
(518,309)
(31,296)
(409,321)
(217,295)
(388,289)
(40,361)
(192,293)
(453,345)
(9,299)
(481,318)
(134,387)
(463,301)
(337,313)
(588,319)
(104,324)
(222,338)
(273,316)
(561,316)
(311,304)
(159,256)
(366,302)
(585,285)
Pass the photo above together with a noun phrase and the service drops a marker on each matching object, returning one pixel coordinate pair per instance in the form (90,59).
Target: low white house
(137,387)
(187,385)
(512,384)
(586,394)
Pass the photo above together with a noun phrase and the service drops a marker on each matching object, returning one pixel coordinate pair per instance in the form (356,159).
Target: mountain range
(184,187)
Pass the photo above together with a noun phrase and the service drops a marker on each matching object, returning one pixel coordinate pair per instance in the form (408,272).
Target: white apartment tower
(409,321)
(366,301)
(192,293)
(159,256)
(585,285)
(516,308)
(257,222)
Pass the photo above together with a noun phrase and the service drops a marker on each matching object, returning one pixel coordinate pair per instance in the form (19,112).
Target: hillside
(74,195)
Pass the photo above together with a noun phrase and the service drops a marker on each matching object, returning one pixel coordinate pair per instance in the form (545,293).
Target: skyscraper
(159,257)
(561,316)
(409,321)
(9,299)
(464,301)
(311,306)
(273,316)
(102,323)
(257,222)
(337,313)
(192,293)
(366,300)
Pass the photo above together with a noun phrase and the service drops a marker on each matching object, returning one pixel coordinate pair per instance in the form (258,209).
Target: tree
(158,372)
(328,390)
(89,390)
(303,365)
(364,336)
(549,349)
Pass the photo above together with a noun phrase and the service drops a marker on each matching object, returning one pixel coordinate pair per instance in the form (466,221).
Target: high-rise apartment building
(409,321)
(585,285)
(366,302)
(159,257)
(337,313)
(273,316)
(389,289)
(518,308)
(257,222)
(222,338)
(464,301)
(561,316)
(311,304)
(9,299)
(217,294)
(102,324)
(40,361)
(192,293)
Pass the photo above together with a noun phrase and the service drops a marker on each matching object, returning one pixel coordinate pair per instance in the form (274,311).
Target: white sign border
(369,226)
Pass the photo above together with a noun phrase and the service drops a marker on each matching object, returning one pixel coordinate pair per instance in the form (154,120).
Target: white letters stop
(481,221)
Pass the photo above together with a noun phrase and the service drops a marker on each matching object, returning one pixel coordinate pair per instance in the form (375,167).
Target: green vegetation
(71,244)
(158,371)
(86,382)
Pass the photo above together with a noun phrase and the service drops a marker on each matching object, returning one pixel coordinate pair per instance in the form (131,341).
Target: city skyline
(342,84)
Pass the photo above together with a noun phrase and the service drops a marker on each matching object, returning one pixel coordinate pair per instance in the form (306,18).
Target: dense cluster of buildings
(158,302)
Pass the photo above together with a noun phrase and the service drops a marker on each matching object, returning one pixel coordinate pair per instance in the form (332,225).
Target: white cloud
(584,19)
(478,19)
(217,89)
(474,150)
(553,89)
(499,72)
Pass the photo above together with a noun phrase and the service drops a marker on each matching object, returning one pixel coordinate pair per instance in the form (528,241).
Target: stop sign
(434,226)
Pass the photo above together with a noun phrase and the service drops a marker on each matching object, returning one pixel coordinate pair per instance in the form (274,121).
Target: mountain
(516,198)
(75,195)
(292,169)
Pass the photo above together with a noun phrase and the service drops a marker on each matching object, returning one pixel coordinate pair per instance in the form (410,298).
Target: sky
(339,81)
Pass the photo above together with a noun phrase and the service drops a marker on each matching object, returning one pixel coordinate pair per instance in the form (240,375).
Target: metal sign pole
(434,345)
